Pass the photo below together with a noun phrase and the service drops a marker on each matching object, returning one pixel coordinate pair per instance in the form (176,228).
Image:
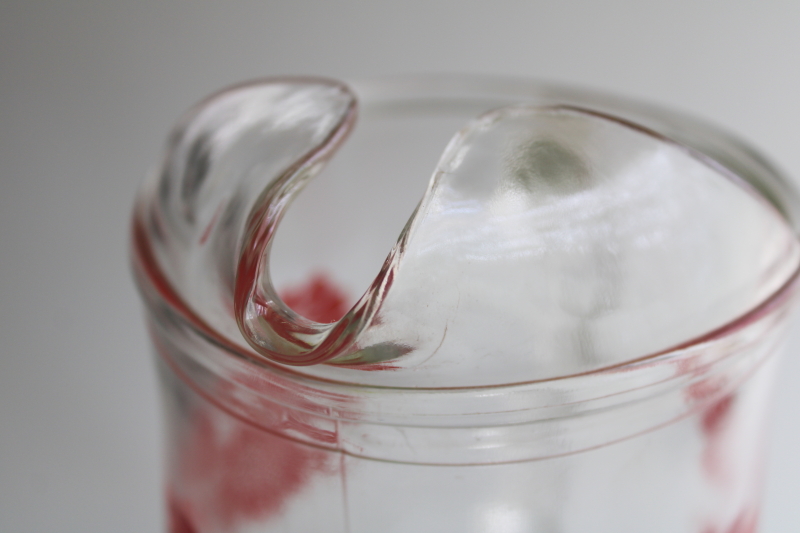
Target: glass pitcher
(575,331)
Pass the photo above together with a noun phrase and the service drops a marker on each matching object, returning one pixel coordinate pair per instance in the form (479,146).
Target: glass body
(666,442)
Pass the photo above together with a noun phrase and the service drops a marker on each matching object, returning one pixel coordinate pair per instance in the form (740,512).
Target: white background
(89,89)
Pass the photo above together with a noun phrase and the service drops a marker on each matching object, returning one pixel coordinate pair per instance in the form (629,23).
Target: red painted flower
(229,471)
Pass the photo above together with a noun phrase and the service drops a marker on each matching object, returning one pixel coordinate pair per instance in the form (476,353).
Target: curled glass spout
(551,241)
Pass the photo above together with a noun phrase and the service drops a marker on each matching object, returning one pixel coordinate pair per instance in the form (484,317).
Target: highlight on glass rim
(462,304)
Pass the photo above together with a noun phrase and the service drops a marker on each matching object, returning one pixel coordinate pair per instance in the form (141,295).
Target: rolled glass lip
(426,93)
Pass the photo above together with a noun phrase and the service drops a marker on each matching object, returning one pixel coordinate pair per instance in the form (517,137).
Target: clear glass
(575,330)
